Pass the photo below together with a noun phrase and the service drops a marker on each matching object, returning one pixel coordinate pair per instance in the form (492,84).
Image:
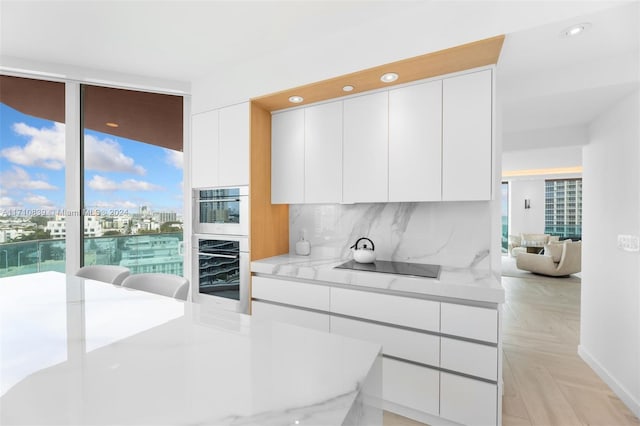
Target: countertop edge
(461,284)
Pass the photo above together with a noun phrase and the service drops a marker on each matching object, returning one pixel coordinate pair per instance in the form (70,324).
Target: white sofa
(518,243)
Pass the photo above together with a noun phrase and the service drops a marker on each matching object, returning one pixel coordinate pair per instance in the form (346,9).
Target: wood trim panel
(269,223)
(471,55)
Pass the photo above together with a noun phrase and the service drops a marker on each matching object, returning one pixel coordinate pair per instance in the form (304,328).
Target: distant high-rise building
(563,207)
(162,217)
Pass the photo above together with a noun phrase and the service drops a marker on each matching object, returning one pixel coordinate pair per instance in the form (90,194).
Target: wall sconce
(527,203)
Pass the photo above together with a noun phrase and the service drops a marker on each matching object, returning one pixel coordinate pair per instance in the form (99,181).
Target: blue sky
(119,173)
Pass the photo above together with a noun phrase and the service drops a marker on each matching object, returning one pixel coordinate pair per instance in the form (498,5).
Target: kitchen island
(441,336)
(77,351)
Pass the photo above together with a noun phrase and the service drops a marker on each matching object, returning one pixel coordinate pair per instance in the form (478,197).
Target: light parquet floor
(546,383)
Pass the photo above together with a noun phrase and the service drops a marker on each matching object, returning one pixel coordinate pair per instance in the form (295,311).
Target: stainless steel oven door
(221,272)
(221,211)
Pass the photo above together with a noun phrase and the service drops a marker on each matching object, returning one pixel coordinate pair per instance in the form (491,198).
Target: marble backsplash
(455,233)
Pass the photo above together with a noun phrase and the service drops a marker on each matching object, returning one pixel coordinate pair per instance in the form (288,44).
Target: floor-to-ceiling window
(563,208)
(504,188)
(132,170)
(32,172)
(132,173)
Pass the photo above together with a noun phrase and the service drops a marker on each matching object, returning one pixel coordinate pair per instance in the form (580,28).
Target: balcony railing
(140,253)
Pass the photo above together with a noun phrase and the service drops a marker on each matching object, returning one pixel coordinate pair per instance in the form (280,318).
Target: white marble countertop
(479,285)
(78,351)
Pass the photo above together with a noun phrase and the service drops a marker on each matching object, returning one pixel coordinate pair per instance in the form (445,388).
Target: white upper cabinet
(204,149)
(429,141)
(234,145)
(466,137)
(287,157)
(415,143)
(323,153)
(365,148)
(220,147)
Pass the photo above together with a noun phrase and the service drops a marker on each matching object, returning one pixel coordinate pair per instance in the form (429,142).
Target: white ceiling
(548,81)
(544,81)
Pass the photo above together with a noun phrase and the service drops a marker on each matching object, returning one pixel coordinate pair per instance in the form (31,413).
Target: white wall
(530,221)
(558,147)
(546,158)
(610,325)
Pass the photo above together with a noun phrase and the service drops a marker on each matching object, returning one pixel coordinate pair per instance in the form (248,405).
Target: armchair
(570,261)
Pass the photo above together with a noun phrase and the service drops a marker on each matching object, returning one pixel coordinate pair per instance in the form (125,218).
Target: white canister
(303,247)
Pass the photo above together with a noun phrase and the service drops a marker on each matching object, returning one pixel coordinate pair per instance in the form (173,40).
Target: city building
(58,227)
(158,254)
(162,217)
(563,207)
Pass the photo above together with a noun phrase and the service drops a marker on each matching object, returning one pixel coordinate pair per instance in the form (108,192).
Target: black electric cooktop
(402,268)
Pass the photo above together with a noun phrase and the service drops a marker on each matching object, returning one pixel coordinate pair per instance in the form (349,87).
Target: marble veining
(451,233)
(158,360)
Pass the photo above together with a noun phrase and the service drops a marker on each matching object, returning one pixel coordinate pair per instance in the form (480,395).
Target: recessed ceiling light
(296,99)
(574,30)
(348,88)
(389,77)
(111,124)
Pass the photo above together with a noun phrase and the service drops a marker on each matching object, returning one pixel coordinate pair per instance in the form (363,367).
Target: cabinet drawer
(291,292)
(468,401)
(470,321)
(269,312)
(410,385)
(405,311)
(411,345)
(469,358)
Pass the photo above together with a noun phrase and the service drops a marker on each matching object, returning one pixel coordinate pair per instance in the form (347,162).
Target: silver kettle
(363,253)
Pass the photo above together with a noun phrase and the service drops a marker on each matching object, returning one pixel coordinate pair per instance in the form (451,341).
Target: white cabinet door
(323,153)
(466,137)
(469,358)
(365,148)
(287,157)
(300,317)
(386,308)
(468,401)
(415,143)
(472,322)
(411,385)
(294,293)
(204,149)
(399,342)
(234,145)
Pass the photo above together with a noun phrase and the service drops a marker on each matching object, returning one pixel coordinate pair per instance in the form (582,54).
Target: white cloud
(44,149)
(174,158)
(106,156)
(7,202)
(101,183)
(39,201)
(139,185)
(18,178)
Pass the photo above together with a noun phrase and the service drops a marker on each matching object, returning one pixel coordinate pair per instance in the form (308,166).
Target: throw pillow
(554,250)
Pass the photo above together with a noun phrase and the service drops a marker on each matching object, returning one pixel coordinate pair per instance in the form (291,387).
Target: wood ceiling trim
(39,98)
(151,118)
(467,56)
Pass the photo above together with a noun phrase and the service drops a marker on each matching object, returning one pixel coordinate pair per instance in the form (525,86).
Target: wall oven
(221,210)
(221,271)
